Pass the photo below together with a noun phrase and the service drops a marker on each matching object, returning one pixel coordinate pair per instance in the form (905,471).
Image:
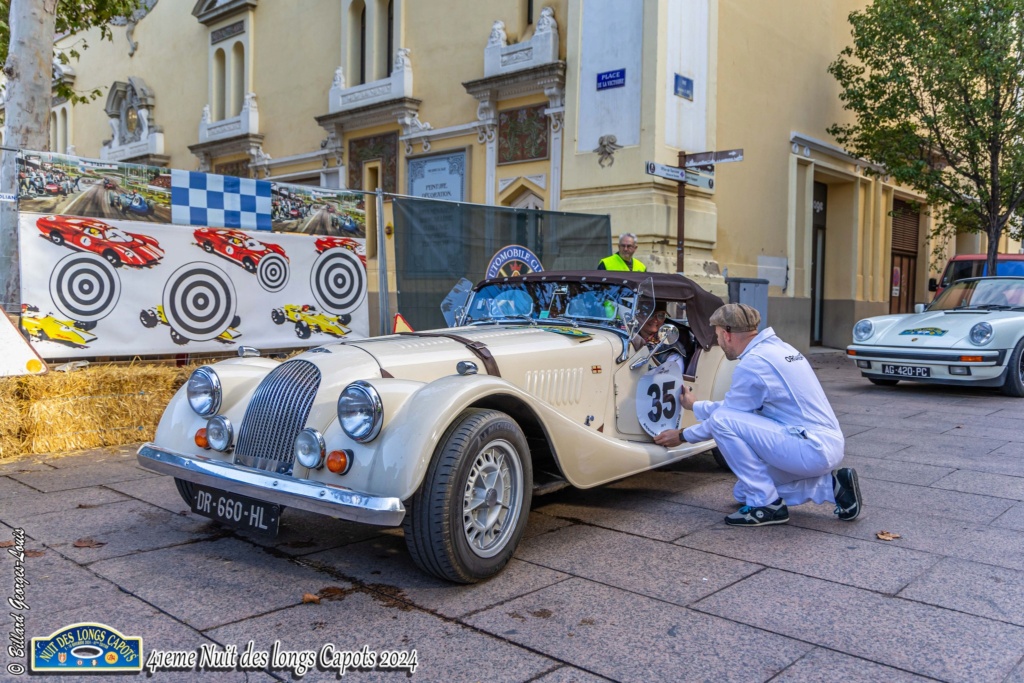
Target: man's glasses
(627,246)
(660,315)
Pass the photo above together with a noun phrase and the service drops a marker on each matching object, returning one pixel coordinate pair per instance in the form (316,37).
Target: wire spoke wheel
(493,494)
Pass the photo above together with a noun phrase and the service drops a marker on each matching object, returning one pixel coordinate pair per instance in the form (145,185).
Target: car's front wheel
(883,382)
(465,521)
(56,237)
(720,460)
(1013,385)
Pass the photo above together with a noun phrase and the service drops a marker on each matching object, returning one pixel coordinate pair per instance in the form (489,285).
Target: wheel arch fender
(416,424)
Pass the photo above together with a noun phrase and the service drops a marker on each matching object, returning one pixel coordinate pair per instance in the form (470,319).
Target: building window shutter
(905,221)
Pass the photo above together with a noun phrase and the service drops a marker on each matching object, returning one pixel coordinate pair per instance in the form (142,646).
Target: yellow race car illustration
(308,320)
(149,317)
(38,327)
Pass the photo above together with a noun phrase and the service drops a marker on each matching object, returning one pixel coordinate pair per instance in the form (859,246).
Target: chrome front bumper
(274,488)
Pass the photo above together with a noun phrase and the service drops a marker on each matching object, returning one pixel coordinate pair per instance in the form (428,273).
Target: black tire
(56,237)
(185,490)
(345,319)
(720,459)
(208,246)
(85,326)
(883,382)
(302,330)
(1013,385)
(148,318)
(236,321)
(248,264)
(112,258)
(178,339)
(277,315)
(478,444)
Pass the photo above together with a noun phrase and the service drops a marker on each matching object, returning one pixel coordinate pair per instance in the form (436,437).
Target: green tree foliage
(73,16)
(937,91)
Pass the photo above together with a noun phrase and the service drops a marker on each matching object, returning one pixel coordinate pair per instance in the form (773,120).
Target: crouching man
(775,426)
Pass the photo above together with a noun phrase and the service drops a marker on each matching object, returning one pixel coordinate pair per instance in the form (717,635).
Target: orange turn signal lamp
(201,439)
(970,359)
(851,352)
(339,462)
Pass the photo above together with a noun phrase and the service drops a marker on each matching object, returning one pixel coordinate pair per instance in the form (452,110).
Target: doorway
(905,222)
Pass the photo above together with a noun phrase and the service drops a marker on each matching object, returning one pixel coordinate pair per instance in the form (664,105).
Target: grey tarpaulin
(437,243)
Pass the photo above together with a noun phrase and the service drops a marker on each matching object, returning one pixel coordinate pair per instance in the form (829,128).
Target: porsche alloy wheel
(466,520)
(1013,385)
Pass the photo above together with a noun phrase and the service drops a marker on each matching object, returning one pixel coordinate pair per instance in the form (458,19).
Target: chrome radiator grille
(275,416)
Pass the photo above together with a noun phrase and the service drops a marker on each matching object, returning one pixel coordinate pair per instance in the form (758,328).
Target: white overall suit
(775,427)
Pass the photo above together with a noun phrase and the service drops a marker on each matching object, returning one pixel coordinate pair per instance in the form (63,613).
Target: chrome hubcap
(493,498)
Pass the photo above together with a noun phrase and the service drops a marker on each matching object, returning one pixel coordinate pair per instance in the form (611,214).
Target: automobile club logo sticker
(513,260)
(87,647)
(926,331)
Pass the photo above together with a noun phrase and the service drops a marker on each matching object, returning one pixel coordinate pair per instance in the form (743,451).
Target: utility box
(751,291)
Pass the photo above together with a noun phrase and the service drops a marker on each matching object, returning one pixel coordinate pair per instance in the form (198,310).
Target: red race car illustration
(325,243)
(115,245)
(236,246)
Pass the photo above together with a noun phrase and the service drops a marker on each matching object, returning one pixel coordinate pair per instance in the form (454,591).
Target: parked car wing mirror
(919,308)
(933,285)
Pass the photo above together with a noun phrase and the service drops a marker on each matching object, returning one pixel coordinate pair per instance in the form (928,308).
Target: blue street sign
(611,79)
(684,87)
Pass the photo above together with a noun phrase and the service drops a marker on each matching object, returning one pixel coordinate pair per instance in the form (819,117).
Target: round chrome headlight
(309,448)
(219,433)
(204,392)
(980,334)
(863,330)
(360,411)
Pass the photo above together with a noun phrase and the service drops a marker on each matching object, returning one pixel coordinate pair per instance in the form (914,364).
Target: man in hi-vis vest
(623,259)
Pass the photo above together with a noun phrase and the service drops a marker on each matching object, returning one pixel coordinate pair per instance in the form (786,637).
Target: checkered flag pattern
(219,201)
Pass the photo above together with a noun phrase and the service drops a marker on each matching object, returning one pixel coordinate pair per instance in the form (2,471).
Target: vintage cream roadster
(449,433)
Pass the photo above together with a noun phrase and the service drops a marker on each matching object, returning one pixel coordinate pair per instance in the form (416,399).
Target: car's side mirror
(933,285)
(919,308)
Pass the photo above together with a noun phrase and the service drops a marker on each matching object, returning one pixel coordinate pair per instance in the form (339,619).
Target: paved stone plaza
(637,581)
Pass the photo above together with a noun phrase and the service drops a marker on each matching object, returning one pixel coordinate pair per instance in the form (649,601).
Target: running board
(545,482)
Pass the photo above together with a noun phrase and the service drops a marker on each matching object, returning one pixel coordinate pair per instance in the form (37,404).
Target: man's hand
(686,397)
(670,438)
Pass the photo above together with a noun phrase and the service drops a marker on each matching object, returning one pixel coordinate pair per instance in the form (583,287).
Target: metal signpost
(693,169)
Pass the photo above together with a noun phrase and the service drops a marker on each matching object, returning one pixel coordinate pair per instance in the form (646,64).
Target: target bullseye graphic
(199,301)
(85,287)
(338,281)
(273,272)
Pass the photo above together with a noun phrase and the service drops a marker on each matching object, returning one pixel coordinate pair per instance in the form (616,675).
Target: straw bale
(99,405)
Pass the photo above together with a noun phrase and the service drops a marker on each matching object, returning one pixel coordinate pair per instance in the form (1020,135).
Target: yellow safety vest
(615,262)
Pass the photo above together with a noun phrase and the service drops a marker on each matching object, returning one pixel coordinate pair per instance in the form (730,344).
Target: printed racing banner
(93,287)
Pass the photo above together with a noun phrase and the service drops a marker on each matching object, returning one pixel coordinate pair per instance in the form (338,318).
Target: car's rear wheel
(85,325)
(1013,385)
(345,319)
(148,318)
(112,258)
(302,330)
(248,264)
(720,459)
(883,382)
(56,237)
(466,519)
(236,321)
(277,315)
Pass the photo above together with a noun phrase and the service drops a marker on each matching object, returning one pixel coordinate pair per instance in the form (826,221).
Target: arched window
(219,84)
(389,58)
(237,78)
(62,130)
(362,45)
(53,131)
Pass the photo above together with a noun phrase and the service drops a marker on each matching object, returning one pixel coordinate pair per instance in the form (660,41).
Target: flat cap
(736,318)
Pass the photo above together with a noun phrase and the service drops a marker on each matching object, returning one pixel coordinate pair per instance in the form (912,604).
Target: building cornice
(210,12)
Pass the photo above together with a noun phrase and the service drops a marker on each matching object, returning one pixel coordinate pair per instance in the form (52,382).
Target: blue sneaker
(847,491)
(773,513)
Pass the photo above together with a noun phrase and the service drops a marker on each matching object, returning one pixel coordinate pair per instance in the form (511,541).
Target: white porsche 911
(973,334)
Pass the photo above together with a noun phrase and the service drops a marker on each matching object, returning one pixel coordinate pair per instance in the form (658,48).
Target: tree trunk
(995,231)
(29,71)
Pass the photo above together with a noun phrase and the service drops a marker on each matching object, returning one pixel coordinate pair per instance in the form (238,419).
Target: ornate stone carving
(206,114)
(517,57)
(606,147)
(402,61)
(411,124)
(339,78)
(498,35)
(132,21)
(557,119)
(486,133)
(546,22)
(250,101)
